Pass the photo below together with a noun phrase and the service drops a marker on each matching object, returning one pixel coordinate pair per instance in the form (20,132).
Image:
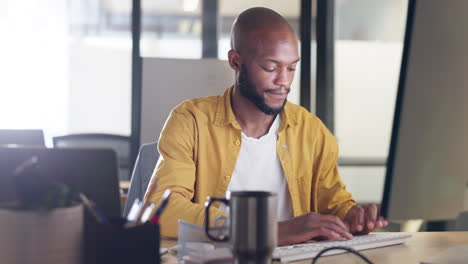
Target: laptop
(93,172)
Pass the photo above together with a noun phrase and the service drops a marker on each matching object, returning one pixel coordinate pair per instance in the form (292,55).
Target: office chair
(120,144)
(142,172)
(26,137)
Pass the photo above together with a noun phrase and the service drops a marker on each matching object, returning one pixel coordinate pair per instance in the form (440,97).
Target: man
(251,138)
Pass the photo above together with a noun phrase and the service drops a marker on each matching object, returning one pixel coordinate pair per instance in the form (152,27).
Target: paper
(218,256)
(194,245)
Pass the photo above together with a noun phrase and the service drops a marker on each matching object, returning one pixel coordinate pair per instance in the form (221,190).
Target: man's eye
(269,69)
(291,69)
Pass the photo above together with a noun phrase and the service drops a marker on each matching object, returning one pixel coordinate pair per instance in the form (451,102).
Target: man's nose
(283,79)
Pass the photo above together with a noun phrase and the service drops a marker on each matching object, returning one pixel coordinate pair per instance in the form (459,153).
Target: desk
(419,247)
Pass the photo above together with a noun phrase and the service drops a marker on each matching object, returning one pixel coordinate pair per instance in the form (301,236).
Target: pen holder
(113,243)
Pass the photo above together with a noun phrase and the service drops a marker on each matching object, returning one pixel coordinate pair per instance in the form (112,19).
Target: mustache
(278,89)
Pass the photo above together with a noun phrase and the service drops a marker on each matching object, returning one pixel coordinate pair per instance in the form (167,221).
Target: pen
(93,209)
(134,210)
(147,213)
(160,209)
(141,212)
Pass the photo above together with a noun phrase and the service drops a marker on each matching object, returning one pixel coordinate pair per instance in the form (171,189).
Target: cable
(342,248)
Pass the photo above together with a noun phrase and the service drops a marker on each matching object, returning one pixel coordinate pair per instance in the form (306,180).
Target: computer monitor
(427,168)
(91,171)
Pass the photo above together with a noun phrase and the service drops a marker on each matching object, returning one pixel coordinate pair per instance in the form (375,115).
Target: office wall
(366,83)
(168,82)
(100,86)
(367,75)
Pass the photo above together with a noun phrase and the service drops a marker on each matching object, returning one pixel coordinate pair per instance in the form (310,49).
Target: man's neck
(254,123)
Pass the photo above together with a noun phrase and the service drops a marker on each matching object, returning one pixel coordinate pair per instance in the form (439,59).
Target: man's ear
(234,60)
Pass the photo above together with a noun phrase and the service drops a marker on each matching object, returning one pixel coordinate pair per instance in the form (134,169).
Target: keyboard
(310,250)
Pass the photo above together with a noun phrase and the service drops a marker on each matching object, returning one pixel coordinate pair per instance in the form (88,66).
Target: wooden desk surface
(419,247)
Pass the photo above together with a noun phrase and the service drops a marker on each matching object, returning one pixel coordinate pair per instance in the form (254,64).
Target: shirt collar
(224,114)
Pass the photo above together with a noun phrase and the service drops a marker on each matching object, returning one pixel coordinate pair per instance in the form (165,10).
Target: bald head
(259,24)
(264,55)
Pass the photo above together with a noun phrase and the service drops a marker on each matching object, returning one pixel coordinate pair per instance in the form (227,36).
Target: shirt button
(227,178)
(237,142)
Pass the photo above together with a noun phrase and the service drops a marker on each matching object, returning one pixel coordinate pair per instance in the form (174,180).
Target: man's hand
(364,219)
(311,226)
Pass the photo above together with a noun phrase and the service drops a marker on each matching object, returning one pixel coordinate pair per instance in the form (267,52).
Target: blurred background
(66,67)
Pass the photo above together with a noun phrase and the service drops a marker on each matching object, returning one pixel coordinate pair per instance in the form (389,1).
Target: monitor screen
(427,168)
(91,171)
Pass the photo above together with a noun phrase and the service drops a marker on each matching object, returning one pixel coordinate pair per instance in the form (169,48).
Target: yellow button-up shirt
(199,146)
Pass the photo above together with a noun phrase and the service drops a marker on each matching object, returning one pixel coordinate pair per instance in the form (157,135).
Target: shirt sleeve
(176,170)
(332,196)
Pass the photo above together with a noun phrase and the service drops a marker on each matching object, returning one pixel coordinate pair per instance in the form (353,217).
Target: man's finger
(338,229)
(324,232)
(331,222)
(334,219)
(354,219)
(383,221)
(348,226)
(360,219)
(379,209)
(371,216)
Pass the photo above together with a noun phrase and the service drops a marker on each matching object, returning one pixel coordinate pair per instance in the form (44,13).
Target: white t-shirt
(258,168)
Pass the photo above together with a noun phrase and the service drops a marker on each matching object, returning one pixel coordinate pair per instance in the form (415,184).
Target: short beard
(249,91)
